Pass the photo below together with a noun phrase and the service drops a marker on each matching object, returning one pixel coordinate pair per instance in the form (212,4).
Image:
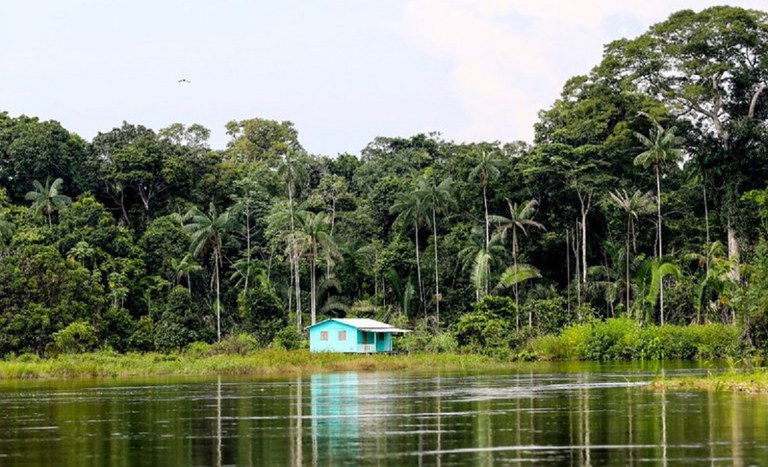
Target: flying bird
(184,80)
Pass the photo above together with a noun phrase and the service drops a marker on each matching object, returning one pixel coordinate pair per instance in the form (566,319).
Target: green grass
(262,362)
(753,382)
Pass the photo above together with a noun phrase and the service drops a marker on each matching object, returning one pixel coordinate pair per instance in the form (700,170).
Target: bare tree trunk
(487,239)
(218,297)
(247,249)
(514,287)
(568,267)
(418,268)
(576,247)
(437,272)
(733,253)
(706,220)
(313,286)
(295,259)
(661,249)
(585,205)
(626,257)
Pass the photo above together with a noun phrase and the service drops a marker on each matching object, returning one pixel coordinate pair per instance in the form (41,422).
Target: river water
(552,414)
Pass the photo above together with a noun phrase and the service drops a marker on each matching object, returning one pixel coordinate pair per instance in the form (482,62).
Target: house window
(342,335)
(323,335)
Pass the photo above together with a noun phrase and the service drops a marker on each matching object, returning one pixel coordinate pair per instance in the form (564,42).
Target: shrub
(177,325)
(237,344)
(484,332)
(199,349)
(261,313)
(289,338)
(624,339)
(143,337)
(78,337)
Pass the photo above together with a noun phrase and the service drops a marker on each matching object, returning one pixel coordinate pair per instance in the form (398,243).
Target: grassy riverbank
(754,382)
(262,362)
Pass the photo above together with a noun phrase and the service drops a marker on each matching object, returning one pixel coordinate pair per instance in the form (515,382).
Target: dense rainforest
(644,195)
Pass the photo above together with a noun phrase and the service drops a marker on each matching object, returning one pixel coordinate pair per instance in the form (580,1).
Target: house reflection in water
(335,412)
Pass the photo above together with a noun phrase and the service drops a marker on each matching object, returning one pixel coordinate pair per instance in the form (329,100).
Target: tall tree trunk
(733,252)
(247,249)
(585,206)
(626,245)
(437,273)
(297,286)
(514,287)
(576,248)
(660,252)
(568,267)
(418,268)
(216,260)
(295,259)
(658,211)
(313,286)
(487,238)
(706,220)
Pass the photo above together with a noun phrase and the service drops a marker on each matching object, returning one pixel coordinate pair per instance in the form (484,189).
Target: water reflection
(335,416)
(545,416)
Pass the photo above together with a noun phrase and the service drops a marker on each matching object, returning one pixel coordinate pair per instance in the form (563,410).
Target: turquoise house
(352,335)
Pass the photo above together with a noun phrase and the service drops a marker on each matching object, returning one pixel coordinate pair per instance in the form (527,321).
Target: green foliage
(77,337)
(115,329)
(261,312)
(424,340)
(549,315)
(236,344)
(752,301)
(482,331)
(289,338)
(624,339)
(143,337)
(178,324)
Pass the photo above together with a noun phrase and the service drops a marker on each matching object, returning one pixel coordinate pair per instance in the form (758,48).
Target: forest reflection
(583,418)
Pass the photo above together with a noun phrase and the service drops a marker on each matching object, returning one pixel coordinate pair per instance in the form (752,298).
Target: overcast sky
(343,71)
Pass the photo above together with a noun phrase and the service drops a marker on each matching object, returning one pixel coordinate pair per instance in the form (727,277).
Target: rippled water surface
(551,414)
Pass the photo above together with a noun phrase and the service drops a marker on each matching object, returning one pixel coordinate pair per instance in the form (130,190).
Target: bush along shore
(610,340)
(625,339)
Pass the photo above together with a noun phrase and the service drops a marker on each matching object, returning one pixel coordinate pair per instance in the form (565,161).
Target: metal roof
(365,324)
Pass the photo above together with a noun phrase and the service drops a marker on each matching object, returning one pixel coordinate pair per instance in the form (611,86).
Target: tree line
(643,195)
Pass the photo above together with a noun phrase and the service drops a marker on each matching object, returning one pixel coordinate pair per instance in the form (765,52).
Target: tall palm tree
(47,198)
(633,205)
(486,168)
(185,267)
(652,273)
(514,275)
(478,259)
(207,232)
(411,209)
(314,233)
(520,218)
(661,148)
(439,198)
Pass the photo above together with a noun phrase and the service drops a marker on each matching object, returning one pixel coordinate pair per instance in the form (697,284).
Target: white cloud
(510,58)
